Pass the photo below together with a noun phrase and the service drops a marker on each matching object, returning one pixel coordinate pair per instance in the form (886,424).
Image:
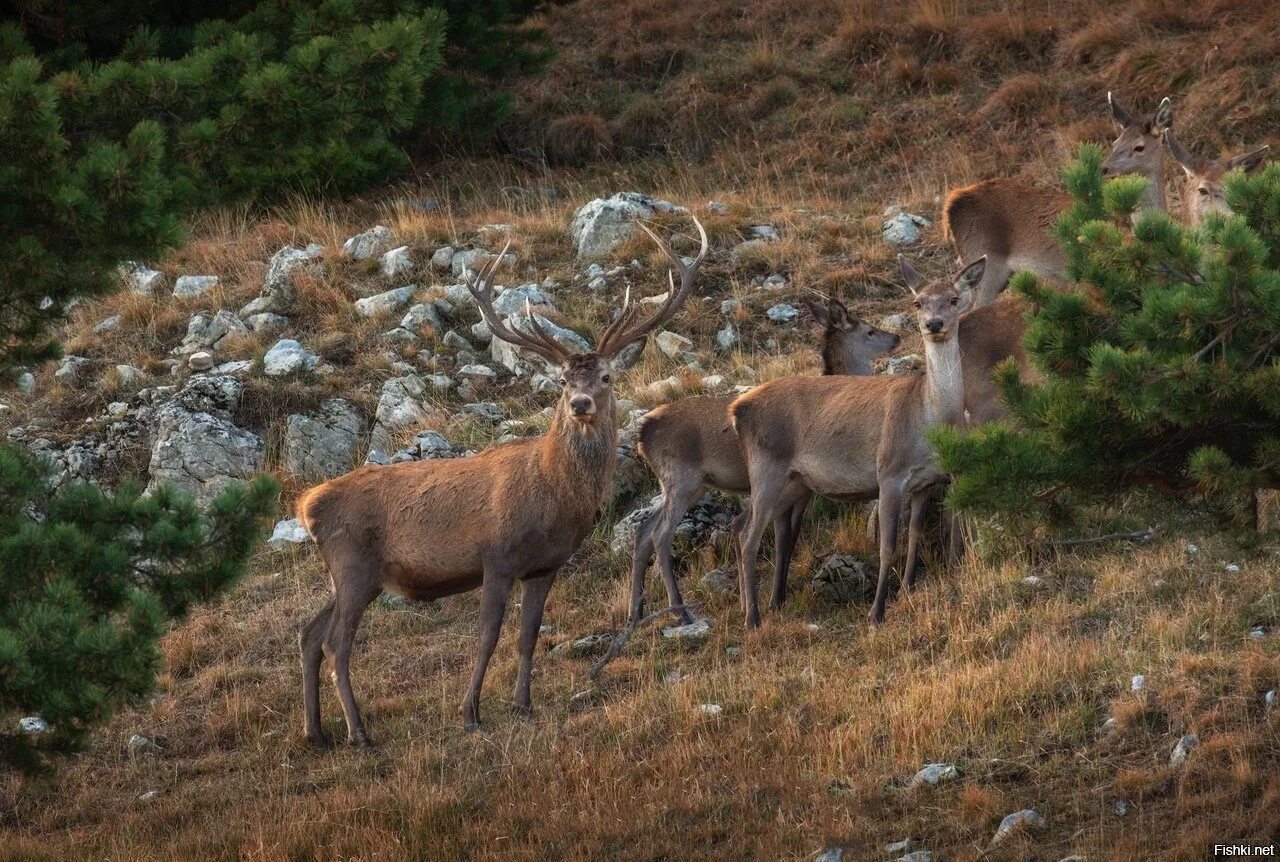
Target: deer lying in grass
(1203,178)
(515,512)
(690,447)
(856,438)
(1011,223)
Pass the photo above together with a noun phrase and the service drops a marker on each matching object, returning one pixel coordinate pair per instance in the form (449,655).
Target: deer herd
(519,510)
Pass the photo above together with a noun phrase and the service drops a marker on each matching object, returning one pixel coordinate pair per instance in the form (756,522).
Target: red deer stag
(515,512)
(690,447)
(856,438)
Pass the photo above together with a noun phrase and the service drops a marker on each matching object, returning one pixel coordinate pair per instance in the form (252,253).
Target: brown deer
(689,446)
(515,512)
(1011,223)
(856,438)
(1203,178)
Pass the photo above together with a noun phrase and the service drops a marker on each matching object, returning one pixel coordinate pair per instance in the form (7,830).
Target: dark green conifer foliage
(1161,367)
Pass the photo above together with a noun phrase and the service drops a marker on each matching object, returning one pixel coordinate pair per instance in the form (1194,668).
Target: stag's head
(1137,149)
(848,342)
(586,378)
(1204,177)
(939,302)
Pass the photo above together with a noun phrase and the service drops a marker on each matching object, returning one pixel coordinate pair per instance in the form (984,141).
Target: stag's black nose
(581,405)
(934,325)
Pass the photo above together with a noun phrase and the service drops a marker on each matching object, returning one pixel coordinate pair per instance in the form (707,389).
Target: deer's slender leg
(919,504)
(786,533)
(641,556)
(311,645)
(353,595)
(768,483)
(680,497)
(493,604)
(890,505)
(955,537)
(995,277)
(533,600)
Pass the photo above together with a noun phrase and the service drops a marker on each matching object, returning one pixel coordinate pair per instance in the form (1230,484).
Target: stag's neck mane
(585,454)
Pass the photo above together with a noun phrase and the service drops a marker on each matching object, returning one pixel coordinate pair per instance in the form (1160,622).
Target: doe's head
(939,302)
(1203,190)
(848,342)
(1138,148)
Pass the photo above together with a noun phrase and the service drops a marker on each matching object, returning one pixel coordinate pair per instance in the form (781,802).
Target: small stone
(1192,548)
(395,262)
(1110,725)
(597,284)
(517,300)
(200,361)
(672,344)
(934,774)
(139,744)
(732,652)
(831,854)
(266,321)
(127,375)
(455,341)
(903,228)
(905,364)
(717,208)
(385,303)
(442,258)
(1026,819)
(593,644)
(480,373)
(729,306)
(1258,632)
(1183,748)
(899,322)
(26,383)
(287,357)
(721,581)
(143,280)
(1033,581)
(1233,568)
(109,324)
(710,708)
(766,232)
(727,337)
(363,245)
(1269,699)
(33,724)
(917,856)
(674,677)
(783,313)
(543,383)
(1138,683)
(698,630)
(189,286)
(1120,807)
(288,532)
(485,410)
(149,796)
(582,698)
(713,382)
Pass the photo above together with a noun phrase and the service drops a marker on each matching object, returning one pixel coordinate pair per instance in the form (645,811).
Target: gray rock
(1138,683)
(457,342)
(933,774)
(288,532)
(127,375)
(727,337)
(1184,748)
(717,208)
(399,408)
(513,358)
(197,447)
(399,337)
(139,744)
(438,381)
(590,645)
(189,286)
(266,321)
(387,302)
(766,232)
(395,262)
(107,324)
(696,631)
(898,848)
(831,854)
(481,333)
(141,279)
(200,361)
(908,364)
(729,306)
(1025,820)
(278,293)
(603,224)
(363,245)
(442,259)
(783,313)
(481,373)
(514,300)
(472,260)
(672,344)
(903,228)
(896,322)
(26,383)
(420,316)
(917,856)
(287,357)
(323,445)
(205,332)
(32,724)
(721,581)
(543,383)
(486,411)
(69,372)
(845,580)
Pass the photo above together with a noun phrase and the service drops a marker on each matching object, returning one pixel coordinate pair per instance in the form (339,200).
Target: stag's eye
(1139,149)
(606,379)
(1203,190)
(955,300)
(563,382)
(917,305)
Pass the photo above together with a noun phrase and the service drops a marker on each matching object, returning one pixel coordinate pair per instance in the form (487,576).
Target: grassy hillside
(811,117)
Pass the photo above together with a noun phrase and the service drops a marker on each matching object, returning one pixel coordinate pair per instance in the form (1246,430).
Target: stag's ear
(628,356)
(819,313)
(909,275)
(1179,152)
(1249,161)
(1164,116)
(971,276)
(1122,117)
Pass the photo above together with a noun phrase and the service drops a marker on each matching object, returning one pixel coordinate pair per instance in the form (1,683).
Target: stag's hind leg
(311,645)
(355,589)
(533,600)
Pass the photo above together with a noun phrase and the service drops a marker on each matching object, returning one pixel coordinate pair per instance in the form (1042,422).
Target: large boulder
(363,245)
(387,302)
(323,445)
(604,224)
(197,447)
(205,332)
(278,293)
(287,357)
(399,409)
(189,286)
(845,580)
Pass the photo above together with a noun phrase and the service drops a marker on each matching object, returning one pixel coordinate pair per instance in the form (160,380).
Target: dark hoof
(471,726)
(687,619)
(363,743)
(875,619)
(319,741)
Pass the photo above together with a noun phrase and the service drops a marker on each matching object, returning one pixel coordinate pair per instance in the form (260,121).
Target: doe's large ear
(909,275)
(1179,152)
(971,276)
(1250,161)
(1164,116)
(819,312)
(628,356)
(839,314)
(1122,117)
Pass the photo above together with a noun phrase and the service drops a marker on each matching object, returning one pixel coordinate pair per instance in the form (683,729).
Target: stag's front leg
(493,605)
(532,602)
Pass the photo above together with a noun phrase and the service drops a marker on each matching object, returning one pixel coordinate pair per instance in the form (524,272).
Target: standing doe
(690,446)
(856,438)
(1011,223)
(515,512)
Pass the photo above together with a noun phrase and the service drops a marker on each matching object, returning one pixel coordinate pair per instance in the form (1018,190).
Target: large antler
(538,341)
(624,330)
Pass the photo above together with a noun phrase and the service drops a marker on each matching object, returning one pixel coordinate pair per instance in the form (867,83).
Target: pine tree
(1161,366)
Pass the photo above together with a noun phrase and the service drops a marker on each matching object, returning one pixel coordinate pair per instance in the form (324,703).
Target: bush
(1161,368)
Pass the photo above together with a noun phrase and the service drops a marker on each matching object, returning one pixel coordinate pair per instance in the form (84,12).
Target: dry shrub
(644,125)
(1008,38)
(773,96)
(1095,42)
(648,60)
(978,805)
(578,139)
(1028,99)
(1170,15)
(935,26)
(861,39)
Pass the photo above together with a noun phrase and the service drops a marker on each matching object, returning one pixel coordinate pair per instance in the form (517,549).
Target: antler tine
(481,290)
(619,337)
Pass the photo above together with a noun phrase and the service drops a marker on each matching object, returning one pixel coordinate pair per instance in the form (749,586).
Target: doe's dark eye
(1203,191)
(955,300)
(606,379)
(917,305)
(563,381)
(1139,149)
